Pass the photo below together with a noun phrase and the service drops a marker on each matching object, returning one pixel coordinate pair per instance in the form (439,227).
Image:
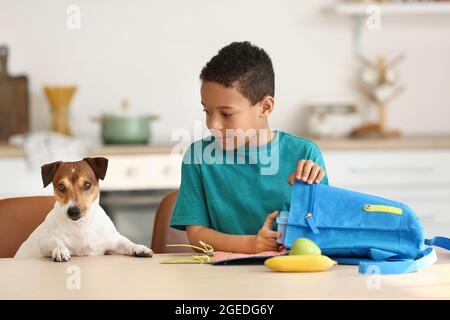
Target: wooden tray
(14,112)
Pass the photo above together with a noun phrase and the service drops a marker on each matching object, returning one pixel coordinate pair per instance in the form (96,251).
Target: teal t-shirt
(234,191)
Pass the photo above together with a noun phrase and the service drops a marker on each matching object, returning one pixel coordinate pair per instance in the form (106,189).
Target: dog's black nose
(74,213)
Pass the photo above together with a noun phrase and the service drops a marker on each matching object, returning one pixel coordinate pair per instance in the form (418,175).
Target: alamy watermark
(374,280)
(73,21)
(73,282)
(229,146)
(373,21)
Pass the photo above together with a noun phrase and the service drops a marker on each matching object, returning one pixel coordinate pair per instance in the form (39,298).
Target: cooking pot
(126,128)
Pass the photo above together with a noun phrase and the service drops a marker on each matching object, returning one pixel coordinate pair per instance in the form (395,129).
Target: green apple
(304,246)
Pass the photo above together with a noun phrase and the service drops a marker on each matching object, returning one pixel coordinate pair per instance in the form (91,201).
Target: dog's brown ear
(99,165)
(48,172)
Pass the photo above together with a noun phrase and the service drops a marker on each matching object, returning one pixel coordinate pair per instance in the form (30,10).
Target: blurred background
(369,82)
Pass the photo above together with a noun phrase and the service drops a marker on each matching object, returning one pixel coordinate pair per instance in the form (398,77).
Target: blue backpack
(381,235)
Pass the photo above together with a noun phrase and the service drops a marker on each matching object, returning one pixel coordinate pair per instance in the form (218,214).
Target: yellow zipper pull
(382,208)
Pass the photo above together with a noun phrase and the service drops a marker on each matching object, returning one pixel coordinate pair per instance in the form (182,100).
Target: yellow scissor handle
(207,249)
(195,259)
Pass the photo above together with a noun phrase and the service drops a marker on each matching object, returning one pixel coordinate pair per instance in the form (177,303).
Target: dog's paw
(140,250)
(61,254)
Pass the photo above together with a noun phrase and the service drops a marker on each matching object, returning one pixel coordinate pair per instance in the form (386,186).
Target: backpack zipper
(382,208)
(309,216)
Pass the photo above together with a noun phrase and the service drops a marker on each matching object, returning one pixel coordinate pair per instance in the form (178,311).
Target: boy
(231,205)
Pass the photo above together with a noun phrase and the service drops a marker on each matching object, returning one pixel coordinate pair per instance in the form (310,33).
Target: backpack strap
(428,257)
(400,266)
(442,242)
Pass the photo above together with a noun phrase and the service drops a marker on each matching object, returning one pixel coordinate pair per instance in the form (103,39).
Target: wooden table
(120,277)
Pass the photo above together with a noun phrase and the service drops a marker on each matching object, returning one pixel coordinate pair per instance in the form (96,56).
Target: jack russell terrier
(77,225)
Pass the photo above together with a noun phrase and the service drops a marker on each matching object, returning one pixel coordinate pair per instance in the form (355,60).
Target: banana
(300,263)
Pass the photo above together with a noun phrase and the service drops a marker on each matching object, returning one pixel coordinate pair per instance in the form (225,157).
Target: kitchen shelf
(357,11)
(426,8)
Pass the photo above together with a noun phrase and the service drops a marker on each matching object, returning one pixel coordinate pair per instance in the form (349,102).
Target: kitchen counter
(105,150)
(120,277)
(433,142)
(419,142)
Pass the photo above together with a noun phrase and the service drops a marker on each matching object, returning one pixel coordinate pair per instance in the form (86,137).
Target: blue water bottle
(282,221)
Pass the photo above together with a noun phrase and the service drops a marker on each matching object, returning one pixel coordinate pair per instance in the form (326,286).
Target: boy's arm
(221,241)
(265,240)
(191,205)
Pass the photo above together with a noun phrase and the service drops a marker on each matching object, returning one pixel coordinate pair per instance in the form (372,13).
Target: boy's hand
(308,172)
(266,238)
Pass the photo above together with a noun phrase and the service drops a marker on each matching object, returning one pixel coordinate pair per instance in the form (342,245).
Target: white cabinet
(19,179)
(419,178)
(125,172)
(142,172)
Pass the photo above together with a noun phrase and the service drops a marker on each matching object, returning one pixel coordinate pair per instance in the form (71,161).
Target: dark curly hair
(244,66)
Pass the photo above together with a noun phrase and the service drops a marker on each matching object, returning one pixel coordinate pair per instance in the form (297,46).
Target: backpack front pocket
(339,208)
